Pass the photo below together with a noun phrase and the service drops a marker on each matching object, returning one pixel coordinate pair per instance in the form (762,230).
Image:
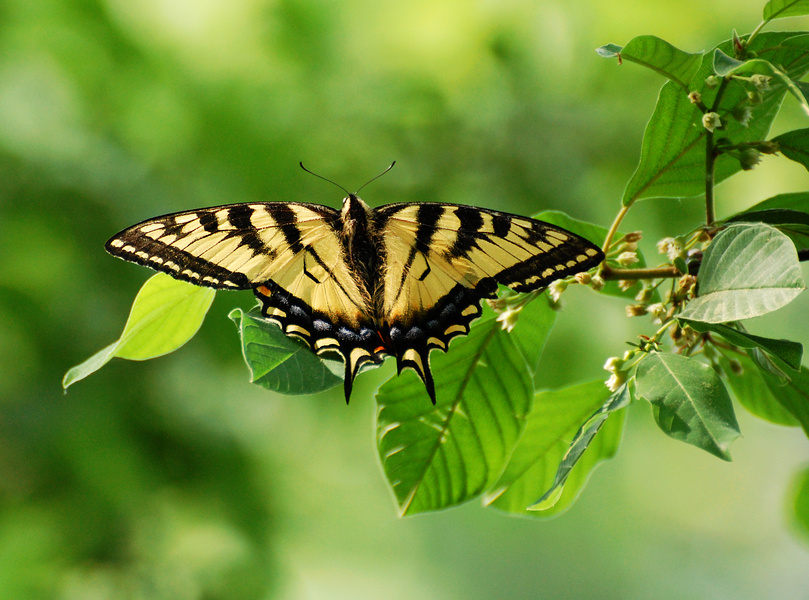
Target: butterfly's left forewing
(291,256)
(441,260)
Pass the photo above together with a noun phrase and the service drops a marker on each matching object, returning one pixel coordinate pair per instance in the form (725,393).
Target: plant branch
(710,161)
(610,273)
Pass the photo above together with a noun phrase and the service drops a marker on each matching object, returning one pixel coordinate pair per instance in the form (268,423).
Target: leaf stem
(753,35)
(614,228)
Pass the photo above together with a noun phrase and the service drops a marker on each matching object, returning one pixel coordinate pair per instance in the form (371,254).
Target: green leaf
(595,233)
(725,66)
(439,456)
(793,395)
(789,352)
(532,331)
(786,212)
(280,363)
(581,443)
(609,50)
(752,392)
(672,162)
(554,420)
(800,503)
(778,9)
(747,271)
(165,315)
(689,400)
(795,146)
(660,56)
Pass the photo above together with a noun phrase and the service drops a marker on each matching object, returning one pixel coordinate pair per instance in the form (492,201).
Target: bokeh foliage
(158,480)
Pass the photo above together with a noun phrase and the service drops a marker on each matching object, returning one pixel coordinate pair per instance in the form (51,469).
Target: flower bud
(761,82)
(743,114)
(749,158)
(711,121)
(644,295)
(633,237)
(583,278)
(712,81)
(625,284)
(627,258)
(694,97)
(628,247)
(635,310)
(597,283)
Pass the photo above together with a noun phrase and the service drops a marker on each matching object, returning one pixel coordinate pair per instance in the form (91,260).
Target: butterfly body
(399,280)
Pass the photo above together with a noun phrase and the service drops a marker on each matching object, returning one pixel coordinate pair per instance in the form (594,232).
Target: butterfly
(399,280)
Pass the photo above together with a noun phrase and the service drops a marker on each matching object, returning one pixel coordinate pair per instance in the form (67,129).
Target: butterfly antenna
(375,178)
(329,180)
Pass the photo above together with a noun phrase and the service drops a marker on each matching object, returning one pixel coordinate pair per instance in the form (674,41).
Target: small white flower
(615,381)
(583,278)
(711,121)
(613,364)
(597,283)
(556,289)
(762,82)
(508,318)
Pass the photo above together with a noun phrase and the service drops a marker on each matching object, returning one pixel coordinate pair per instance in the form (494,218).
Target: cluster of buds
(619,374)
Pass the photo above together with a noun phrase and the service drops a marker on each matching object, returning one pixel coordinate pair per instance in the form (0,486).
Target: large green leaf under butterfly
(366,283)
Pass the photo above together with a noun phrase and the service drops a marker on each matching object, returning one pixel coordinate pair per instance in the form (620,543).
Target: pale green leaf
(165,315)
(748,270)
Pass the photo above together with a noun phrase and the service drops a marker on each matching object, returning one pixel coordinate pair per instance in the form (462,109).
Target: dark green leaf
(726,66)
(660,56)
(553,422)
(754,394)
(690,402)
(532,330)
(777,9)
(786,212)
(278,362)
(789,352)
(439,456)
(581,443)
(672,162)
(597,234)
(166,314)
(795,145)
(747,271)
(793,395)
(800,503)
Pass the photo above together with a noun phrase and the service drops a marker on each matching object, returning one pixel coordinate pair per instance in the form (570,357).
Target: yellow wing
(293,248)
(441,260)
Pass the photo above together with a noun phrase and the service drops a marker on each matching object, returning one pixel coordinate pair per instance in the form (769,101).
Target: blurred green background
(177,478)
